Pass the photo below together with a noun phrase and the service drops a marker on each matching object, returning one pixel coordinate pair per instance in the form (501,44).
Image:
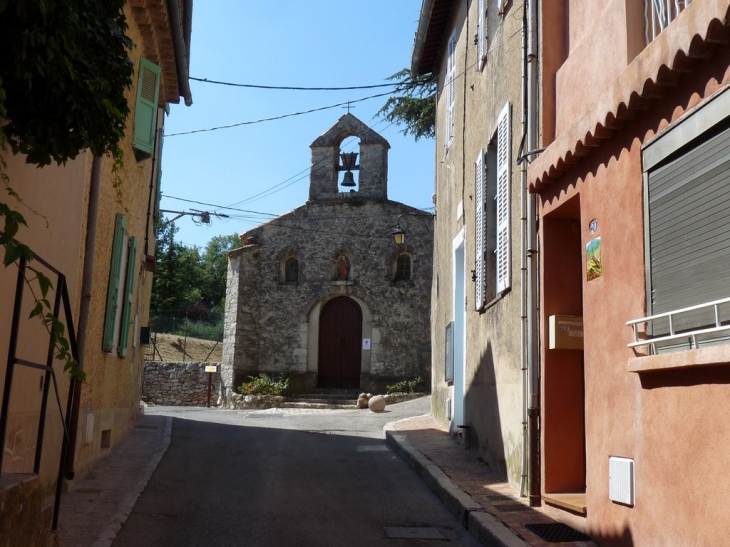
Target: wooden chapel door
(340,335)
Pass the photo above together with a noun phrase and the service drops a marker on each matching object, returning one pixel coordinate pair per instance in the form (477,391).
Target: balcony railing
(691,335)
(659,13)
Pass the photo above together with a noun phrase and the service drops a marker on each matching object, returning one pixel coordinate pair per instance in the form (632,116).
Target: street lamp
(399,235)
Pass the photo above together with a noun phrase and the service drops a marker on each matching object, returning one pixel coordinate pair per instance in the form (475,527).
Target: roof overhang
(430,36)
(166,26)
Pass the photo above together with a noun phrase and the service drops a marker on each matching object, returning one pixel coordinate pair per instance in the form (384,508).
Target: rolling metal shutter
(689,231)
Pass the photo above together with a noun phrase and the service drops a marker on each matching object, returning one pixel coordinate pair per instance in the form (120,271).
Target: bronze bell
(348,180)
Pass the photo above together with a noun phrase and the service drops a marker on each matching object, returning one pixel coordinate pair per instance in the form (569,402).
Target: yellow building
(99,236)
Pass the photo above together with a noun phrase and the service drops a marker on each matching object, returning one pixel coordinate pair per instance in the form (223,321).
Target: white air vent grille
(621,480)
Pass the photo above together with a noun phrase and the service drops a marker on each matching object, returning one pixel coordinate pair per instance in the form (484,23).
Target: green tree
(414,106)
(64,70)
(189,283)
(216,267)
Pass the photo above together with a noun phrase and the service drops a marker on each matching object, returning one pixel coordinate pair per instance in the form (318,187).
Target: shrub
(265,385)
(417,385)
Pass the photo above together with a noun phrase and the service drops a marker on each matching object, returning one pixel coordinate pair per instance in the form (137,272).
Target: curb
(127,503)
(485,528)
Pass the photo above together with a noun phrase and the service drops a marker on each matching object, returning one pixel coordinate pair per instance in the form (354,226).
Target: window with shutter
(687,245)
(504,143)
(128,294)
(450,89)
(482,33)
(112,298)
(145,113)
(480,226)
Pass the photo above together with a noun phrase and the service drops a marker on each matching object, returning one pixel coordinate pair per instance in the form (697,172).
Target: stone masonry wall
(178,384)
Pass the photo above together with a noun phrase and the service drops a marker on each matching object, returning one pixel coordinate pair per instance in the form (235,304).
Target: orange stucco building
(99,234)
(632,192)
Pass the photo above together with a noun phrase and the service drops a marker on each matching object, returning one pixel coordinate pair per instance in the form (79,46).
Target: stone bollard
(376,403)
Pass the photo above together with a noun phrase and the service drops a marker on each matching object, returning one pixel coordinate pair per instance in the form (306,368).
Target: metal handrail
(61,300)
(690,334)
(658,14)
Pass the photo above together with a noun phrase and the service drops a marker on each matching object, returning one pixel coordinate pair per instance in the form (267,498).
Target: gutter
(423,20)
(181,45)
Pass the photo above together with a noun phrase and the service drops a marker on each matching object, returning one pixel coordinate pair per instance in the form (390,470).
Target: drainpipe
(179,42)
(533,321)
(524,327)
(86,284)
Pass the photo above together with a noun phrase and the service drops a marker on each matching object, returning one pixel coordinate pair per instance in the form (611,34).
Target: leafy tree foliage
(190,283)
(64,71)
(414,106)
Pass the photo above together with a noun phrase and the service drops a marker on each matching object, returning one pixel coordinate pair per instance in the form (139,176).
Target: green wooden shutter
(128,294)
(145,114)
(113,289)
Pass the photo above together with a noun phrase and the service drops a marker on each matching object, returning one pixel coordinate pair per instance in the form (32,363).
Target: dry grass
(169,347)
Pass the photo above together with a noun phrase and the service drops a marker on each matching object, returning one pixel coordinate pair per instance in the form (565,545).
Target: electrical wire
(293,88)
(282,116)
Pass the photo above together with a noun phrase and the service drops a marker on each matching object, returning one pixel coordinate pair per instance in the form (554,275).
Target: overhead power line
(281,116)
(294,88)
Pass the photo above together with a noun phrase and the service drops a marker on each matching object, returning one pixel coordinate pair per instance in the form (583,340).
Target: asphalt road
(280,478)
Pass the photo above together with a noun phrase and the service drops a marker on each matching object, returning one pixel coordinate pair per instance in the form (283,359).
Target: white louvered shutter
(504,175)
(450,89)
(480,232)
(481,32)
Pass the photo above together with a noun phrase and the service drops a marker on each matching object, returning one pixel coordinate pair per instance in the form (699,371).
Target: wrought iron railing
(691,335)
(659,13)
(61,300)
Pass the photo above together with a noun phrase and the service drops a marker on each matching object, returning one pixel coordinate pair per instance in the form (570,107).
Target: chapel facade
(323,294)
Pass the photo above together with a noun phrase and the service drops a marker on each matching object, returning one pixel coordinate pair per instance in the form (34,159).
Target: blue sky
(321,43)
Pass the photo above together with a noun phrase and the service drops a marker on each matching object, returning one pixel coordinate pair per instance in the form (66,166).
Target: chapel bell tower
(334,171)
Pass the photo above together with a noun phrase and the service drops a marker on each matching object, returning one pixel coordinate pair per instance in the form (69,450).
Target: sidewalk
(95,508)
(489,507)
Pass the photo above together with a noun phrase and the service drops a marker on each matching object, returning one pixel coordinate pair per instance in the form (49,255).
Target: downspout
(181,53)
(524,293)
(463,142)
(86,287)
(533,320)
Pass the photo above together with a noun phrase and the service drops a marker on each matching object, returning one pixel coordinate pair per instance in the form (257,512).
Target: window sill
(709,356)
(343,282)
(575,502)
(496,299)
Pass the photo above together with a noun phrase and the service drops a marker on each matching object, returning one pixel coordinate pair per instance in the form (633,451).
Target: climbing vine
(64,73)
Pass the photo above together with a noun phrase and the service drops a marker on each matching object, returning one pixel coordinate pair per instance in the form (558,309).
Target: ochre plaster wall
(111,396)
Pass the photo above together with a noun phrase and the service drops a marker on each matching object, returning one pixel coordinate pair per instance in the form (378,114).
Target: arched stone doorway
(340,339)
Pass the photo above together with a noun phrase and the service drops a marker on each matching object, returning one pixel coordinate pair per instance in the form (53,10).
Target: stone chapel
(323,294)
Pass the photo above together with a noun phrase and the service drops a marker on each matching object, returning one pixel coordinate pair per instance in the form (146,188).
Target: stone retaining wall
(178,384)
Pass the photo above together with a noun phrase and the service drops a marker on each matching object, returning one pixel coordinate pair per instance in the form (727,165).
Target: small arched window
(403,267)
(291,270)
